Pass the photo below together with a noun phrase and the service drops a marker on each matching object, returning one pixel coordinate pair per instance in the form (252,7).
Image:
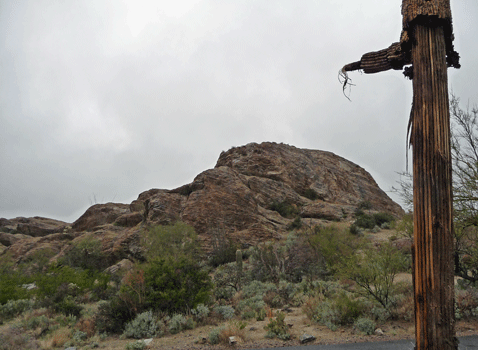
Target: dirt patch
(298,323)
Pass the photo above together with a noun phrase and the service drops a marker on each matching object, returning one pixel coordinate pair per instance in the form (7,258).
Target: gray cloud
(105,99)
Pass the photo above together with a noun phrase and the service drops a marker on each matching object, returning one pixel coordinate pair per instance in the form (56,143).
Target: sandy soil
(299,324)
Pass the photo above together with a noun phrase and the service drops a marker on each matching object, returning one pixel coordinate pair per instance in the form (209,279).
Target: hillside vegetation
(340,276)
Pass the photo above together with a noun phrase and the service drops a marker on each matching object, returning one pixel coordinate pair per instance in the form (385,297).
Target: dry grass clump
(233,329)
(58,338)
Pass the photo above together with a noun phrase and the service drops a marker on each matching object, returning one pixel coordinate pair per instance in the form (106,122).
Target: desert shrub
(355,230)
(248,314)
(341,310)
(374,272)
(370,221)
(226,311)
(466,303)
(334,246)
(268,262)
(79,336)
(405,226)
(273,299)
(15,338)
(36,321)
(253,303)
(276,328)
(261,314)
(233,328)
(87,325)
(365,325)
(223,248)
(214,335)
(60,337)
(383,218)
(37,261)
(68,306)
(11,282)
(176,285)
(179,322)
(133,290)
(364,205)
(227,281)
(62,281)
(365,221)
(311,194)
(14,308)
(287,291)
(143,326)
(137,345)
(290,261)
(257,288)
(87,254)
(285,208)
(112,315)
(295,225)
(171,242)
(200,312)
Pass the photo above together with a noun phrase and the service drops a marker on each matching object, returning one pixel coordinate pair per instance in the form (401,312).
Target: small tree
(374,271)
(176,285)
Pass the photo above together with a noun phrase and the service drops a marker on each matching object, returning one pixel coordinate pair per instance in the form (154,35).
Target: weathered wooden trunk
(432,187)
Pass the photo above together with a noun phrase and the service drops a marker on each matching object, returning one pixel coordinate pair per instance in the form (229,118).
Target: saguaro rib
(433,237)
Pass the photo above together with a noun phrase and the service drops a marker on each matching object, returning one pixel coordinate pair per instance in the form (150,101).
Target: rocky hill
(252,194)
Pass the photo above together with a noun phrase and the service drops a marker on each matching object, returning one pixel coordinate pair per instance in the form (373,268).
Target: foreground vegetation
(337,275)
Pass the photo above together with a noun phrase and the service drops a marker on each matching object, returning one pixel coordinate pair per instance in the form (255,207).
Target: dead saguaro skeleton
(426,44)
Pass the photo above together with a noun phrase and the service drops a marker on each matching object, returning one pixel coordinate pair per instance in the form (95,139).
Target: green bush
(340,310)
(227,281)
(370,221)
(365,325)
(311,194)
(335,246)
(14,308)
(112,315)
(179,322)
(68,306)
(276,328)
(87,254)
(15,338)
(295,225)
(143,326)
(248,314)
(200,312)
(285,208)
(261,315)
(176,285)
(365,221)
(374,272)
(226,311)
(61,281)
(383,218)
(223,249)
(11,286)
(137,345)
(257,288)
(35,322)
(171,242)
(214,335)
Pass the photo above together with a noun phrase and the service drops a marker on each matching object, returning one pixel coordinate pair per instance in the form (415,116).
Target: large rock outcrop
(240,197)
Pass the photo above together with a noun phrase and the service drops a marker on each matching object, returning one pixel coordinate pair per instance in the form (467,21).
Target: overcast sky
(101,100)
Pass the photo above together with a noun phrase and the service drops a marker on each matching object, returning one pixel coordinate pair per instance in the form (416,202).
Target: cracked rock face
(236,196)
